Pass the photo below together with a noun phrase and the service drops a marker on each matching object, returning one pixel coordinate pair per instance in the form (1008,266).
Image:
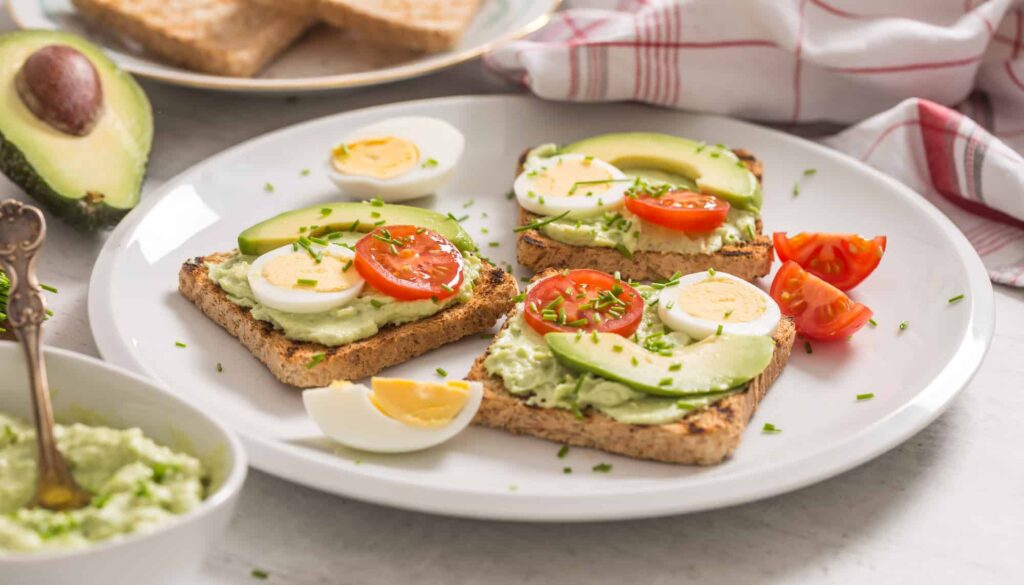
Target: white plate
(137,315)
(324,59)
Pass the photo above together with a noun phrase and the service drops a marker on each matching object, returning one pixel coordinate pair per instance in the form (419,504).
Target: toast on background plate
(235,38)
(701,429)
(748,259)
(426,25)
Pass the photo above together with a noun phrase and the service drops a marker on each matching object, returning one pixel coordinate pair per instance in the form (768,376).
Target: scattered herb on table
(179,344)
(866,396)
(956,299)
(770,428)
(602,468)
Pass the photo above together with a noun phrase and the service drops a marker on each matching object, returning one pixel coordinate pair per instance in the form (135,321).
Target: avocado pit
(61,87)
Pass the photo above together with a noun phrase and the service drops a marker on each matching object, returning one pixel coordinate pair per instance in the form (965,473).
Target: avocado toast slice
(748,260)
(704,431)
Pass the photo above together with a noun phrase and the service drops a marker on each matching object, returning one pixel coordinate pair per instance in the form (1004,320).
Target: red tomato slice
(409,263)
(584,300)
(680,210)
(820,310)
(842,260)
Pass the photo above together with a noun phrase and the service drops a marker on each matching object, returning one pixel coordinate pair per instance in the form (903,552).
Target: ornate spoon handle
(22,231)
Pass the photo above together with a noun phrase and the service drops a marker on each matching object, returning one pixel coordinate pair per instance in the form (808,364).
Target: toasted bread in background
(235,38)
(705,437)
(748,261)
(288,360)
(427,25)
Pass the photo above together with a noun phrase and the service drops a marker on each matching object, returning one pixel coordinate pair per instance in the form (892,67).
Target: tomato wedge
(584,300)
(819,310)
(842,260)
(409,263)
(680,210)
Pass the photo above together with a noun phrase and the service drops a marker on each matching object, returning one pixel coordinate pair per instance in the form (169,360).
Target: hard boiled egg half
(396,159)
(573,184)
(311,279)
(395,415)
(709,303)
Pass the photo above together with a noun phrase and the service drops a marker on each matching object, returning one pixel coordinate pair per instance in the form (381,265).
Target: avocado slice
(90,174)
(283,229)
(715,364)
(714,169)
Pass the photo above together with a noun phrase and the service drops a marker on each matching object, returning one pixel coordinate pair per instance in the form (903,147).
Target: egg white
(436,139)
(348,416)
(293,300)
(532,197)
(673,315)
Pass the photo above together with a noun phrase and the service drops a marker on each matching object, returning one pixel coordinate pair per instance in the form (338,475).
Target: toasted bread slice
(288,360)
(235,38)
(704,437)
(748,261)
(426,25)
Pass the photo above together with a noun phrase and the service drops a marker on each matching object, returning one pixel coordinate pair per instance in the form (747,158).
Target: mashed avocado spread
(360,319)
(624,230)
(521,358)
(136,485)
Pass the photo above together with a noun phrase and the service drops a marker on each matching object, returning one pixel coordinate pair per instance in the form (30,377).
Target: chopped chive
(179,344)
(684,405)
(519,298)
(665,382)
(622,249)
(807,347)
(325,211)
(540,223)
(306,282)
(594,337)
(376,304)
(602,468)
(320,241)
(567,470)
(563,451)
(866,396)
(872,322)
(675,367)
(796,189)
(346,266)
(52,289)
(493,244)
(304,172)
(429,163)
(809,172)
(220,368)
(377,202)
(468,204)
(634,361)
(375,214)
(314,359)
(268,187)
(955,299)
(259,574)
(617,348)
(727,313)
(770,428)
(442,372)
(447,288)
(510,195)
(904,325)
(719,330)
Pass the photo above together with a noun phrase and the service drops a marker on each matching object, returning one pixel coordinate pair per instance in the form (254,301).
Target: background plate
(137,315)
(324,59)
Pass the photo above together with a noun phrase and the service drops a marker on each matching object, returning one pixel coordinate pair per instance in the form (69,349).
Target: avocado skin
(79,213)
(84,213)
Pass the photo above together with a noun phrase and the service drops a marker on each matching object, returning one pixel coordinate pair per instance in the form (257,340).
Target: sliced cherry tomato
(409,262)
(820,310)
(680,210)
(584,300)
(842,260)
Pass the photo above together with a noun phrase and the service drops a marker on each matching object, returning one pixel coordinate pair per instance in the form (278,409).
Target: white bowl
(88,390)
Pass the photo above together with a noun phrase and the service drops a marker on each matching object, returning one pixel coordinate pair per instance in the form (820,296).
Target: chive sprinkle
(442,372)
(904,325)
(602,468)
(304,172)
(719,330)
(563,451)
(665,382)
(220,368)
(429,163)
(872,322)
(268,187)
(306,282)
(955,299)
(52,289)
(567,470)
(179,344)
(325,211)
(770,428)
(259,574)
(866,396)
(315,360)
(540,223)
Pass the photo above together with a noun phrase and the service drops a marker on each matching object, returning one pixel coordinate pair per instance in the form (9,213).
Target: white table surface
(947,506)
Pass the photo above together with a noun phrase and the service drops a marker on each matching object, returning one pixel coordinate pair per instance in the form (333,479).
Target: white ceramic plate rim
(345,80)
(232,482)
(296,464)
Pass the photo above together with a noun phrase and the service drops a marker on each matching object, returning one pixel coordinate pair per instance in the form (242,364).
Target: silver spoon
(22,231)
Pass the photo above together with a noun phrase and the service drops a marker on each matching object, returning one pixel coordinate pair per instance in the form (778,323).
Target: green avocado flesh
(715,364)
(284,229)
(93,180)
(713,169)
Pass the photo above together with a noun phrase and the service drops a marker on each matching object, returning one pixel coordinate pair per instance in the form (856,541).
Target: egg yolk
(722,300)
(300,271)
(384,157)
(420,404)
(570,178)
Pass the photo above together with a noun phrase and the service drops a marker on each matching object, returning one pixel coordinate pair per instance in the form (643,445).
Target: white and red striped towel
(885,64)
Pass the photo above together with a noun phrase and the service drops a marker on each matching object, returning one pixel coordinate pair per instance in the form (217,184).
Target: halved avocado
(715,170)
(283,229)
(89,173)
(715,364)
